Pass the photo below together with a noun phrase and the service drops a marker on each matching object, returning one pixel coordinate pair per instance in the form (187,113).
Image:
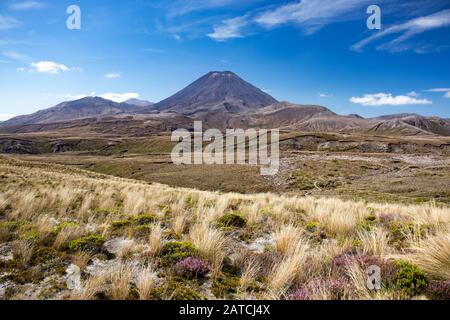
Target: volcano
(217,91)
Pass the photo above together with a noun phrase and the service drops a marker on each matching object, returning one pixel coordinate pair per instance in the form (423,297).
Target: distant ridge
(72,110)
(224,100)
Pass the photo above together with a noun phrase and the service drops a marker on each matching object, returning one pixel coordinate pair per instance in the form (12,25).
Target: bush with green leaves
(174,251)
(232,220)
(410,280)
(92,243)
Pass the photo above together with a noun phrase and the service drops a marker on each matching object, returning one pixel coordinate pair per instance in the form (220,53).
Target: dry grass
(290,268)
(22,252)
(211,243)
(145,282)
(155,239)
(36,199)
(433,254)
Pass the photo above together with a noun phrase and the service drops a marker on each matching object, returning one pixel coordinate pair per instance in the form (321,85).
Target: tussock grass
(287,243)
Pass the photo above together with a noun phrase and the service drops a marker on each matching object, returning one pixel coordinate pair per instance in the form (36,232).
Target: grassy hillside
(72,234)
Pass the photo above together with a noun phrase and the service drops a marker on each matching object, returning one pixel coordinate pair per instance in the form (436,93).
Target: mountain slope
(72,110)
(217,91)
(139,103)
(410,124)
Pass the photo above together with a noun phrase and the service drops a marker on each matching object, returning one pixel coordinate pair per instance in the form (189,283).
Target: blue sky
(308,51)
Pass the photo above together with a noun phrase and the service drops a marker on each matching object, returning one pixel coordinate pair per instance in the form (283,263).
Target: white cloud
(25,5)
(447,94)
(120,97)
(113,75)
(310,15)
(6,116)
(7,23)
(51,67)
(324,95)
(229,29)
(116,97)
(408,29)
(387,99)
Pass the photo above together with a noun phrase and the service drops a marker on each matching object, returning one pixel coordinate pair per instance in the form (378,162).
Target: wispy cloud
(26,5)
(153,50)
(116,97)
(388,99)
(446,91)
(310,15)
(324,95)
(16,56)
(407,30)
(182,7)
(7,23)
(51,67)
(113,75)
(229,29)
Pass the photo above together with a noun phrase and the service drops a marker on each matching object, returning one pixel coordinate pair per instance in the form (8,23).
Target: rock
(6,253)
(115,246)
(73,279)
(260,244)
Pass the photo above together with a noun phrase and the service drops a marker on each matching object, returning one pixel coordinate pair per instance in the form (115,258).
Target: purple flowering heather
(192,267)
(439,290)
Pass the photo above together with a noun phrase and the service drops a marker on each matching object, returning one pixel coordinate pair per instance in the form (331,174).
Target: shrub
(172,252)
(230,220)
(144,219)
(92,243)
(120,224)
(409,278)
(191,267)
(439,290)
(340,264)
(140,220)
(175,291)
(225,287)
(301,293)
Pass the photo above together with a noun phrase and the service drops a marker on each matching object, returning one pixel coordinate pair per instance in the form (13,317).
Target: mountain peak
(217,91)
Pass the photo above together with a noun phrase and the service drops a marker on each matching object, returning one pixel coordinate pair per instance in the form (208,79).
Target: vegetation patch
(173,290)
(174,251)
(225,287)
(410,280)
(232,220)
(92,243)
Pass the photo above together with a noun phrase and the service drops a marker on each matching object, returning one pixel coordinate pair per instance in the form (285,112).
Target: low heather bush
(439,290)
(192,267)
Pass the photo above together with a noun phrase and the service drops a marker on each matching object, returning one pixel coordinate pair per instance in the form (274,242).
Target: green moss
(140,220)
(173,290)
(225,287)
(312,226)
(367,223)
(233,219)
(172,252)
(64,225)
(115,225)
(400,231)
(92,243)
(144,219)
(410,280)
